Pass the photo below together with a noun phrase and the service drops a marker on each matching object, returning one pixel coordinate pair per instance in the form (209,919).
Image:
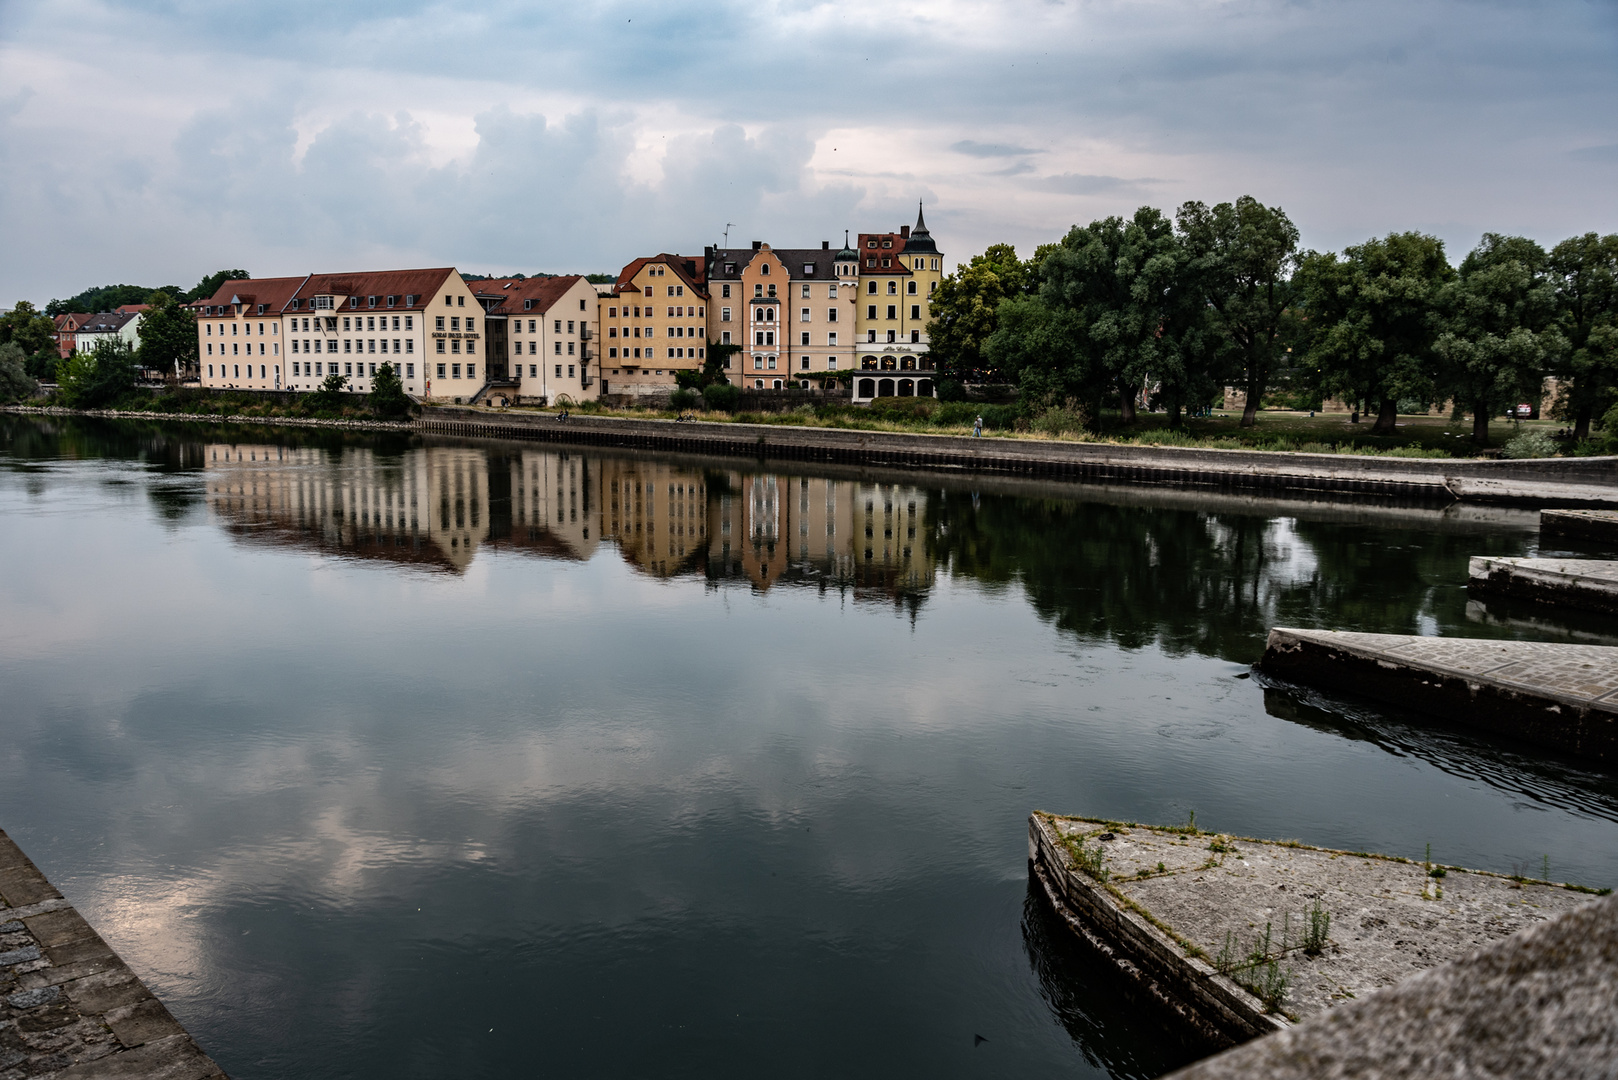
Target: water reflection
(363,746)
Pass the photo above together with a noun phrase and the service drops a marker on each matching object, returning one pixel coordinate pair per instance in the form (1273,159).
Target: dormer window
(887,243)
(370,301)
(528,305)
(870,243)
(808,269)
(392,300)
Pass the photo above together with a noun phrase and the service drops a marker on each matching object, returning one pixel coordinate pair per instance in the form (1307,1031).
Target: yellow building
(654,323)
(790,310)
(898,274)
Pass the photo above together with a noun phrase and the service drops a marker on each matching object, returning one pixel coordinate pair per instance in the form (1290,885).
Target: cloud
(546,137)
(987,150)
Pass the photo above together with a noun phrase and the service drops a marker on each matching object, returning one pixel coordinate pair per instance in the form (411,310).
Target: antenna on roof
(728,224)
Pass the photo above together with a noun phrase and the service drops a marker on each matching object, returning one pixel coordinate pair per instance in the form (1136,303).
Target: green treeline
(1223,296)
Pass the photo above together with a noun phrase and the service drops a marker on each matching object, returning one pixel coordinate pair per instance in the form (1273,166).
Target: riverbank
(1547,482)
(68,1005)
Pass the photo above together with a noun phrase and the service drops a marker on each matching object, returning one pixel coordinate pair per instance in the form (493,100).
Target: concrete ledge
(1562,697)
(69,1007)
(1598,525)
(1589,584)
(1541,1004)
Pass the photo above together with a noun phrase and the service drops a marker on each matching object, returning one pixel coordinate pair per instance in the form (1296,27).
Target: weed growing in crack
(1319,926)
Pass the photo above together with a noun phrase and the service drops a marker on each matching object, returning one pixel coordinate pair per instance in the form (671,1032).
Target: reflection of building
(438,506)
(656,513)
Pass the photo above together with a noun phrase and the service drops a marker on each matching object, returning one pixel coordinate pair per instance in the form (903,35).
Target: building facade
(543,339)
(655,323)
(790,311)
(898,273)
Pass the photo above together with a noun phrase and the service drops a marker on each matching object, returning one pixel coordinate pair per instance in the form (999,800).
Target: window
(934,265)
(449,301)
(831,361)
(531,329)
(440,345)
(471,371)
(570,326)
(455,371)
(803,315)
(893,288)
(348,369)
(440,321)
(772,363)
(679,290)
(460,301)
(558,326)
(371,345)
(870,311)
(570,348)
(805,338)
(831,338)
(772,290)
(570,371)
(410,371)
(410,345)
(455,323)
(581,305)
(758,363)
(558,371)
(893,311)
(911,287)
(724,290)
(558,347)
(915,337)
(805,364)
(471,326)
(831,314)
(724,314)
(440,367)
(347,344)
(769,337)
(724,338)
(758,290)
(533,371)
(870,287)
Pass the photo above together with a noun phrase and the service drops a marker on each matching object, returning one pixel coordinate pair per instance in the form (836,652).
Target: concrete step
(1589,584)
(1561,697)
(1598,525)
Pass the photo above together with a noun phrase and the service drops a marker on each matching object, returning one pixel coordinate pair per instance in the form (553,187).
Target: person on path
(977,428)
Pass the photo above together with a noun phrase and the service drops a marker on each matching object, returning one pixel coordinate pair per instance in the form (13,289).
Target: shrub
(1069,419)
(684,398)
(951,390)
(1531,444)
(92,379)
(1609,431)
(722,397)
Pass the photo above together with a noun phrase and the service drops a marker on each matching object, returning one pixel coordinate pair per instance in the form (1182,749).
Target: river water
(383,757)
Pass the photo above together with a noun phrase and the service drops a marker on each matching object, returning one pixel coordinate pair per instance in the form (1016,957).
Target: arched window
(867,388)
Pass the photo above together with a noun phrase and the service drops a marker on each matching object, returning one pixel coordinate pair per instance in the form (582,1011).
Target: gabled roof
(515,293)
(690,269)
(727,264)
(130,309)
(107,322)
(895,264)
(274,292)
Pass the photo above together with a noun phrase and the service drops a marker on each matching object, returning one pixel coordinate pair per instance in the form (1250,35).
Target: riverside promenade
(69,1007)
(1241,938)
(1563,697)
(1550,482)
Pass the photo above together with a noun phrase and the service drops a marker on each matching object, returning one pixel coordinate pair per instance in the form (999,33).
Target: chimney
(904,232)
(825,245)
(757,244)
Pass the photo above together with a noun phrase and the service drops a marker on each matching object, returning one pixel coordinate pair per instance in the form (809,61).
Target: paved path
(1560,696)
(69,1007)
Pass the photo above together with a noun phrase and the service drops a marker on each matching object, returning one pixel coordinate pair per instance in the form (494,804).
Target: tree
(1498,328)
(387,393)
(1120,279)
(1584,273)
(1372,318)
(1241,258)
(168,336)
(107,298)
(96,377)
(330,394)
(34,334)
(15,382)
(965,309)
(210,284)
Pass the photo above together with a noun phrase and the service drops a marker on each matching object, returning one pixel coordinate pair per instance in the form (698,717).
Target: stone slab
(1587,584)
(1597,525)
(69,1007)
(1542,1003)
(1563,697)
(1188,910)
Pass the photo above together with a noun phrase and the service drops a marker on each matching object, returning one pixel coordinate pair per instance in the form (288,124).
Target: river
(387,757)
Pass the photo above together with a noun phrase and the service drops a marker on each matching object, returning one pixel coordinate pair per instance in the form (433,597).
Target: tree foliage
(210,284)
(168,336)
(1584,273)
(33,333)
(330,394)
(965,313)
(1499,314)
(387,393)
(1371,321)
(98,376)
(15,382)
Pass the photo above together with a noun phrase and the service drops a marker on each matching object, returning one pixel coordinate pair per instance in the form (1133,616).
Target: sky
(154,143)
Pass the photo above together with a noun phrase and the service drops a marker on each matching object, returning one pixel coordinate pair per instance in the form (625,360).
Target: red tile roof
(274,292)
(691,269)
(422,284)
(543,291)
(895,265)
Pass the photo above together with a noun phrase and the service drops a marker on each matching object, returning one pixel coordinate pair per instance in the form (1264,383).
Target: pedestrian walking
(977,428)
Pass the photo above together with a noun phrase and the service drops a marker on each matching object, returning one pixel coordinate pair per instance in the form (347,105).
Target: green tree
(107,298)
(965,312)
(1372,319)
(1584,271)
(34,333)
(210,284)
(387,393)
(96,377)
(1241,257)
(15,382)
(1498,329)
(168,336)
(330,394)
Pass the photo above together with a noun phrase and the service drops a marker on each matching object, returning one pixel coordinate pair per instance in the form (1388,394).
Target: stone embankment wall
(1547,482)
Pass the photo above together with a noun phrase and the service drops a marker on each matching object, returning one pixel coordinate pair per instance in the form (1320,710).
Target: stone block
(141,1023)
(59,927)
(172,1058)
(106,990)
(22,885)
